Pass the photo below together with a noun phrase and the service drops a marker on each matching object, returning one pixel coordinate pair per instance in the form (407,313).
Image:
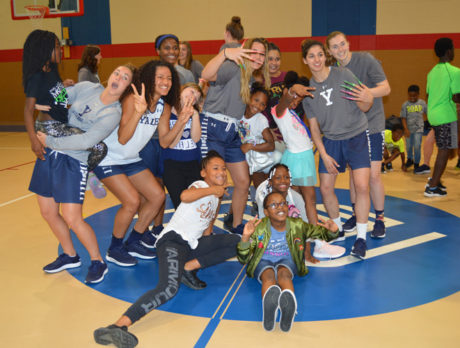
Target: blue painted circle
(407,277)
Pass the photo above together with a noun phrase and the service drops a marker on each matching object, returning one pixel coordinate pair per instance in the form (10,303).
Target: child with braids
(46,91)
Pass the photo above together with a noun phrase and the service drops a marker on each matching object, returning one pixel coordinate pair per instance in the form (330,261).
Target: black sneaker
(119,336)
(120,256)
(423,169)
(63,262)
(409,163)
(270,305)
(441,186)
(190,280)
(137,249)
(350,224)
(378,231)
(436,192)
(288,309)
(389,167)
(96,272)
(228,222)
(382,170)
(359,249)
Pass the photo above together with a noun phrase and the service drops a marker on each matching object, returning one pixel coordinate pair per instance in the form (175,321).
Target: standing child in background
(257,140)
(273,248)
(412,114)
(394,146)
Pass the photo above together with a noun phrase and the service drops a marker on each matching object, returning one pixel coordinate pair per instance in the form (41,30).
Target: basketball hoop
(36,14)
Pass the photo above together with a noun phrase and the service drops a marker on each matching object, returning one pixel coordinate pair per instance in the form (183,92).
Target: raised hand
(357,92)
(301,91)
(237,54)
(250,227)
(187,110)
(329,224)
(140,104)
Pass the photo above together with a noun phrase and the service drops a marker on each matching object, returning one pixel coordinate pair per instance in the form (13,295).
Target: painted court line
(215,319)
(346,260)
(16,199)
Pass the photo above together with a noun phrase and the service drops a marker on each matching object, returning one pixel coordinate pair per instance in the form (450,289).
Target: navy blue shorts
(354,152)
(377,145)
(103,172)
(265,264)
(61,177)
(222,137)
(152,155)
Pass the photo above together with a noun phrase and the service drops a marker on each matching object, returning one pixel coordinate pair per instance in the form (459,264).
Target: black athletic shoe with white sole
(119,336)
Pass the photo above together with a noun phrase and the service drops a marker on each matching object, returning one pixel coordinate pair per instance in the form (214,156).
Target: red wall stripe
(286,44)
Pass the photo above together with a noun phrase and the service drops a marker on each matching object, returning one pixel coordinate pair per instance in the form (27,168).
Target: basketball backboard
(24,9)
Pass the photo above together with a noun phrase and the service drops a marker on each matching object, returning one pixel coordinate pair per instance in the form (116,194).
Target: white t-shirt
(294,133)
(191,219)
(294,199)
(250,129)
(119,154)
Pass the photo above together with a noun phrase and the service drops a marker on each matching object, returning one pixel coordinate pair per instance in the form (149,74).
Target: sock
(134,237)
(361,230)
(379,214)
(116,242)
(338,222)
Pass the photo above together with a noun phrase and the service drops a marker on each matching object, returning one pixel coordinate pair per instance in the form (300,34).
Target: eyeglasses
(277,205)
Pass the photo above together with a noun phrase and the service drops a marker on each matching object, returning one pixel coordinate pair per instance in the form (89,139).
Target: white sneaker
(328,251)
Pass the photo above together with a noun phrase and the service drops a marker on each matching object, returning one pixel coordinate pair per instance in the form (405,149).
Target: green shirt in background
(443,81)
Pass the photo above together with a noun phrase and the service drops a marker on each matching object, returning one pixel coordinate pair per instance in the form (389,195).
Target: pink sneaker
(328,251)
(96,186)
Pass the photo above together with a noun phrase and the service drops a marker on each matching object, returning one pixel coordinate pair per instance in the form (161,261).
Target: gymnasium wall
(400,33)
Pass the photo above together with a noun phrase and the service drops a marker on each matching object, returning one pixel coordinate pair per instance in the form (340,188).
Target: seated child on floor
(273,248)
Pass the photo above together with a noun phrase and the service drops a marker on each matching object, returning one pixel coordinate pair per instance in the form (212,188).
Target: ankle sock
(338,222)
(361,230)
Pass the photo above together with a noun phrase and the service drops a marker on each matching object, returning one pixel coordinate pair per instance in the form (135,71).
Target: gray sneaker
(119,336)
(288,307)
(270,304)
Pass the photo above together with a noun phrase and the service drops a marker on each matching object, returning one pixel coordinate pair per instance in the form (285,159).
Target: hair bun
(236,20)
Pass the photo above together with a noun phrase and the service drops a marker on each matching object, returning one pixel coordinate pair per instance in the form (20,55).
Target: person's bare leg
(428,147)
(330,201)
(49,210)
(73,215)
(268,279)
(362,205)
(285,279)
(239,172)
(127,194)
(158,220)
(376,186)
(439,166)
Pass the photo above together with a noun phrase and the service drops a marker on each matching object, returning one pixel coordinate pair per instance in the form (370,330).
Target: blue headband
(163,37)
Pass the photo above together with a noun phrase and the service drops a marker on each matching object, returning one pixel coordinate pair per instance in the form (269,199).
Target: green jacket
(297,233)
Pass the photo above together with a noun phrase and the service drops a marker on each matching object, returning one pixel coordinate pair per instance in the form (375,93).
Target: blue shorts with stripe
(152,155)
(377,143)
(61,177)
(103,172)
(354,152)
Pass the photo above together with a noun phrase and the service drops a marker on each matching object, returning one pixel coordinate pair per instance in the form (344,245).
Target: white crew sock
(338,222)
(361,230)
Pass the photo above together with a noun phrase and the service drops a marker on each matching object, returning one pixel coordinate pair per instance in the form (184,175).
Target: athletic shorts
(446,135)
(61,177)
(354,152)
(377,144)
(265,264)
(222,137)
(103,172)
(152,155)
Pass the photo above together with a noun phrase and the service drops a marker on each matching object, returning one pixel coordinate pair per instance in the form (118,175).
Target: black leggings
(173,252)
(178,176)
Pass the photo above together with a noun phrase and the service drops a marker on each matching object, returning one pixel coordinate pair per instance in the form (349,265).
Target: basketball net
(36,14)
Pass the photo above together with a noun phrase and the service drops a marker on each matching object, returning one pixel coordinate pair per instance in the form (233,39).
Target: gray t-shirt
(338,118)
(84,74)
(90,115)
(185,75)
(196,68)
(413,113)
(224,93)
(369,70)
